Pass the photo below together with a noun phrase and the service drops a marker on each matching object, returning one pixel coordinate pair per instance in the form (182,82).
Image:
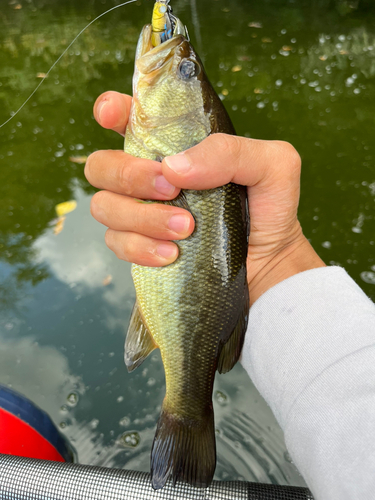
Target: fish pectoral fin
(179,201)
(139,342)
(231,350)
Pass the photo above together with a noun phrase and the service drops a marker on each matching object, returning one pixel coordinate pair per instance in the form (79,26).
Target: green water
(305,74)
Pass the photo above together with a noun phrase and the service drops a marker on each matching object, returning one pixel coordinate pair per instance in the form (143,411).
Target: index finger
(112,109)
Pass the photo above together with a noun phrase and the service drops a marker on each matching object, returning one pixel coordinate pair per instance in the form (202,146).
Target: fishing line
(197,28)
(65,51)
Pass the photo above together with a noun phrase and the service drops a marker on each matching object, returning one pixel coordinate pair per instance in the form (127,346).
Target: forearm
(309,350)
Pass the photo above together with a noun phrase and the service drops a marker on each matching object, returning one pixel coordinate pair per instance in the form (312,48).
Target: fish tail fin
(184,449)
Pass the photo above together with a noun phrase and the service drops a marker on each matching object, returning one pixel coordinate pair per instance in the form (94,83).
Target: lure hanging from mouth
(164,24)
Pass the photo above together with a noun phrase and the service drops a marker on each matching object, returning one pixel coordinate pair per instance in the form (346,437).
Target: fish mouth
(156,47)
(149,58)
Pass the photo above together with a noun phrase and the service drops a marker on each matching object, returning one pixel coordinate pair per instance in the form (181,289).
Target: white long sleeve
(310,351)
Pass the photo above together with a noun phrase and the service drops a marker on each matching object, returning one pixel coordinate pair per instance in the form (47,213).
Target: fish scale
(195,310)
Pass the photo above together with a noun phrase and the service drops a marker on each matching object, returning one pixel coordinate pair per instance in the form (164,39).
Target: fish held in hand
(195,310)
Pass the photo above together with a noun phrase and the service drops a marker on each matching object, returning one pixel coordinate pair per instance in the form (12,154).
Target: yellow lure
(160,22)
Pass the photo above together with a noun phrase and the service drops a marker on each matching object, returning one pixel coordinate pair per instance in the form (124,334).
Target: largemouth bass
(196,309)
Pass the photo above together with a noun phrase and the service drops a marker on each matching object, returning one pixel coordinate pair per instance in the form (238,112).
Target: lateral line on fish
(57,60)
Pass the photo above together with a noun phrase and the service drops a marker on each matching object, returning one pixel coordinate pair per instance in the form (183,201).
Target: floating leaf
(287,48)
(65,207)
(59,225)
(323,58)
(18,6)
(266,40)
(41,75)
(258,91)
(107,280)
(225,92)
(78,159)
(237,68)
(255,25)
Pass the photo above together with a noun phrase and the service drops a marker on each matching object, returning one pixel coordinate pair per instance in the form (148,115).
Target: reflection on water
(39,372)
(78,256)
(302,72)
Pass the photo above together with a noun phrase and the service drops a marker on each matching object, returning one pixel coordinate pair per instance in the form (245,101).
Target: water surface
(297,71)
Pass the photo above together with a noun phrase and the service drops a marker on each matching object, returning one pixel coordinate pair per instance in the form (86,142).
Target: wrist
(293,258)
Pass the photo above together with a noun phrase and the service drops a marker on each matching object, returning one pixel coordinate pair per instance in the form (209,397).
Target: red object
(27,431)
(18,438)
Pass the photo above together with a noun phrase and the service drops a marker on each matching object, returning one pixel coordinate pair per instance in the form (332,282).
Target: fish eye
(188,69)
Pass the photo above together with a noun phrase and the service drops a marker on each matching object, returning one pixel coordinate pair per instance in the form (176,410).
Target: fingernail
(180,163)
(167,250)
(100,109)
(162,186)
(179,223)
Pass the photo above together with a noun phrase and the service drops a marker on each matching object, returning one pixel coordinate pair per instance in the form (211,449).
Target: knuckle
(127,180)
(291,156)
(123,245)
(96,201)
(117,243)
(228,144)
(90,162)
(129,248)
(108,238)
(87,167)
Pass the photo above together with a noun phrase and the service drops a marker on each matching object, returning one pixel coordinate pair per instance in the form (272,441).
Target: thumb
(112,109)
(221,159)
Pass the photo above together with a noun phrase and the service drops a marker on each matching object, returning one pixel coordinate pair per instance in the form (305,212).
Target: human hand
(143,233)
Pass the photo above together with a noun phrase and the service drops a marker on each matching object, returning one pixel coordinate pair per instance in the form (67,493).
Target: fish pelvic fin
(231,350)
(139,342)
(184,449)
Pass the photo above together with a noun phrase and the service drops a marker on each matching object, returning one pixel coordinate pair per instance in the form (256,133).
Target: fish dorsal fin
(139,343)
(231,350)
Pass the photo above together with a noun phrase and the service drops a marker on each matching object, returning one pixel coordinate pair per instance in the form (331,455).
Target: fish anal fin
(139,342)
(183,449)
(231,350)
